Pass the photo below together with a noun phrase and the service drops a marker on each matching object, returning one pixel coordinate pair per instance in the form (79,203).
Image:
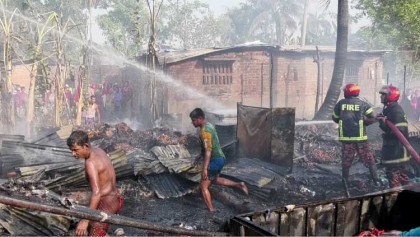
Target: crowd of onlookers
(113,100)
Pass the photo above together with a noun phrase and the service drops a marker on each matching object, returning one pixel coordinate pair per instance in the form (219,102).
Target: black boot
(344,179)
(374,176)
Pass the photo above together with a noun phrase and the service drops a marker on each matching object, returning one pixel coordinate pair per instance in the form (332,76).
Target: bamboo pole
(95,215)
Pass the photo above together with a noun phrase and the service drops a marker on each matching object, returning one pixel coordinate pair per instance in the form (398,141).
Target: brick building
(262,76)
(254,75)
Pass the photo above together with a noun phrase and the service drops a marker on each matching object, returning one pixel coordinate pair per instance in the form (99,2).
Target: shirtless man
(214,159)
(101,175)
(92,110)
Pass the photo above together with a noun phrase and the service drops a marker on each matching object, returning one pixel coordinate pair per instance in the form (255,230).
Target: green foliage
(32,15)
(189,24)
(180,24)
(396,21)
(126,25)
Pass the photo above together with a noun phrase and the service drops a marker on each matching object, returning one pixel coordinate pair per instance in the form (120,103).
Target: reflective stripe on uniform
(361,136)
(403,124)
(400,160)
(369,111)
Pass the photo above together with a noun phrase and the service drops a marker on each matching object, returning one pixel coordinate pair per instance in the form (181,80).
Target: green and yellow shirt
(210,141)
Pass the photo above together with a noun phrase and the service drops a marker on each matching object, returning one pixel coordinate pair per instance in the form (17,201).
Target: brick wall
(294,81)
(250,83)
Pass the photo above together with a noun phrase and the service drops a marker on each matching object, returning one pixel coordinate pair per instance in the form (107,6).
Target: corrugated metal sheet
(414,128)
(176,56)
(15,153)
(145,163)
(180,55)
(52,137)
(168,170)
(170,185)
(174,157)
(19,222)
(253,171)
(390,209)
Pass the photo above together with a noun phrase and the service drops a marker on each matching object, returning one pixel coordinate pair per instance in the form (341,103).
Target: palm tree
(321,29)
(333,92)
(283,13)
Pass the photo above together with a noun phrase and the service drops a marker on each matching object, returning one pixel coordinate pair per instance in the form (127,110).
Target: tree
(8,109)
(125,25)
(154,9)
(321,29)
(189,24)
(334,89)
(38,58)
(182,24)
(397,21)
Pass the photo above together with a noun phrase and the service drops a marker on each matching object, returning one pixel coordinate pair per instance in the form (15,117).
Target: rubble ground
(316,176)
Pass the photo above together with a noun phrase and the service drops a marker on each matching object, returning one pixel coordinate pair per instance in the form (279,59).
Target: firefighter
(353,115)
(394,155)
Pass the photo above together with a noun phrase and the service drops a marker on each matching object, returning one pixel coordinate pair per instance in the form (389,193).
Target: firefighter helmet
(391,93)
(351,90)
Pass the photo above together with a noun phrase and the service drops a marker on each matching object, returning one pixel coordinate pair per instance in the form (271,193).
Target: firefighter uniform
(394,155)
(350,113)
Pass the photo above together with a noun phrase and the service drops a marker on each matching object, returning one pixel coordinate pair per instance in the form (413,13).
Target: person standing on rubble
(214,159)
(101,175)
(394,155)
(353,115)
(91,112)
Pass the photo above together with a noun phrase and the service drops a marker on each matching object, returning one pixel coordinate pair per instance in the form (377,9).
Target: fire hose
(403,140)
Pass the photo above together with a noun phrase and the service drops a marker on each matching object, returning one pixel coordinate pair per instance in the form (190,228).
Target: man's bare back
(104,169)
